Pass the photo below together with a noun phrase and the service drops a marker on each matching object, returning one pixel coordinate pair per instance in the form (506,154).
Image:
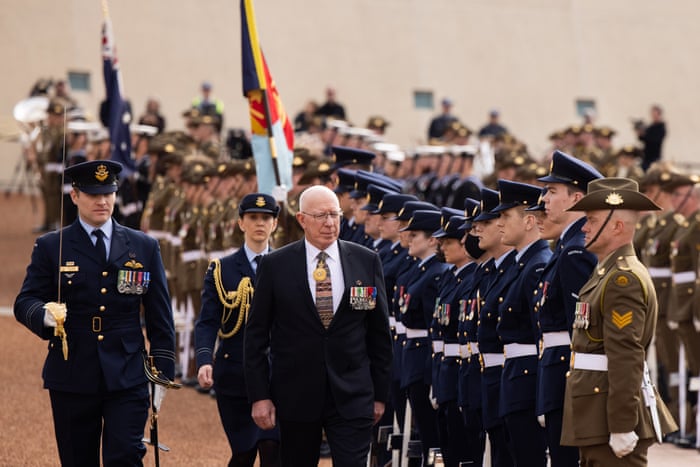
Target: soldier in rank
(489,344)
(418,299)
(451,429)
(612,411)
(469,375)
(516,328)
(567,270)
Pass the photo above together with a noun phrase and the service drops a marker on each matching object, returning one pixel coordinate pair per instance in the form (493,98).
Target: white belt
(392,321)
(416,333)
(555,339)
(131,208)
(464,351)
(519,350)
(158,234)
(174,240)
(659,272)
(191,255)
(438,346)
(400,328)
(452,350)
(55,167)
(218,254)
(589,361)
(684,277)
(473,348)
(492,359)
(67,189)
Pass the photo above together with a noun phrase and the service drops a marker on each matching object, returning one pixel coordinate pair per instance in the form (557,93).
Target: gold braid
(231,300)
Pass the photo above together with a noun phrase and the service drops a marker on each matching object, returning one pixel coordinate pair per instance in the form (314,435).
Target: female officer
(226,297)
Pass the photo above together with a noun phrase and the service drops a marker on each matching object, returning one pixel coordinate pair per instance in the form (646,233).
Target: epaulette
(679,218)
(622,263)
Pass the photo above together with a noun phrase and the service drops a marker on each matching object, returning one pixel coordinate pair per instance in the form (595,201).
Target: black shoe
(200,389)
(687,442)
(325,450)
(672,437)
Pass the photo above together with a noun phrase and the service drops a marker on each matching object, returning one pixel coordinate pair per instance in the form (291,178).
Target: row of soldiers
(475,353)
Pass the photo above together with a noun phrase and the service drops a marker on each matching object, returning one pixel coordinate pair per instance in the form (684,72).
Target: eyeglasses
(322,217)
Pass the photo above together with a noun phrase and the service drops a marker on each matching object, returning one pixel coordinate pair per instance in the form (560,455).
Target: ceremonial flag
(272,133)
(119,112)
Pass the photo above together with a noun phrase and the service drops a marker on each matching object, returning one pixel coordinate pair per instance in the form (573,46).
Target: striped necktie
(324,290)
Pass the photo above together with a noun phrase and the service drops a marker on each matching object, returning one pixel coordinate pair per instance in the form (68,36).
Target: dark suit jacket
(105,339)
(351,359)
(228,370)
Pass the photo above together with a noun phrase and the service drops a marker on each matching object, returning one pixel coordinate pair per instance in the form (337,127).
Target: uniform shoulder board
(622,264)
(679,218)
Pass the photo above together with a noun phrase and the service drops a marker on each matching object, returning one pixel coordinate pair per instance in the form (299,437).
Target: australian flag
(116,110)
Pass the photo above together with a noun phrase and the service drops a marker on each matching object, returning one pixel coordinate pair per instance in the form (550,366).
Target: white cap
(146,130)
(337,124)
(429,150)
(385,147)
(396,156)
(100,134)
(81,126)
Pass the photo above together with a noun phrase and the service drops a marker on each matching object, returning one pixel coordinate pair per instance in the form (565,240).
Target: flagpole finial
(105,10)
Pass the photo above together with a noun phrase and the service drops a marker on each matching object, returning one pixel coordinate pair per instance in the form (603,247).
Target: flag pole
(271,137)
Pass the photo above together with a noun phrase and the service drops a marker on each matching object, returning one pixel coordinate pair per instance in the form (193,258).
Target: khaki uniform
(619,324)
(685,249)
(656,256)
(288,229)
(50,162)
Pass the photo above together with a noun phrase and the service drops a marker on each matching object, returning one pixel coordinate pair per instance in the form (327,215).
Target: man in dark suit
(85,296)
(320,308)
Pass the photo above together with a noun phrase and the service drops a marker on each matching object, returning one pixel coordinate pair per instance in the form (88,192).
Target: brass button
(562,358)
(100,338)
(105,273)
(70,282)
(510,308)
(103,308)
(225,355)
(568,373)
(417,344)
(534,292)
(596,389)
(500,299)
(103,290)
(525,371)
(403,343)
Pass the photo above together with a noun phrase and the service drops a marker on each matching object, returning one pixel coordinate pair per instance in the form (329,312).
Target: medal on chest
(582,315)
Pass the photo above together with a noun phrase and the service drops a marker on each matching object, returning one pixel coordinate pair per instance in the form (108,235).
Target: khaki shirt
(622,317)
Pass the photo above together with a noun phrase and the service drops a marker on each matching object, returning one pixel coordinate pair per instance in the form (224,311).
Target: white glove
(672,325)
(696,323)
(623,443)
(54,313)
(279,192)
(433,400)
(49,320)
(540,420)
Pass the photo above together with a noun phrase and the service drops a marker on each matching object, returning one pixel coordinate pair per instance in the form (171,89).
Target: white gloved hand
(672,325)
(279,192)
(540,420)
(433,400)
(49,320)
(54,314)
(696,323)
(623,443)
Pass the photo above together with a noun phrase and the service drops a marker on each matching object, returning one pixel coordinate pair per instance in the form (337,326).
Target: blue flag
(118,110)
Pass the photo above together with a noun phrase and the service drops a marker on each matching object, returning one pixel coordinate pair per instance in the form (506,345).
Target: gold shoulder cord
(231,300)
